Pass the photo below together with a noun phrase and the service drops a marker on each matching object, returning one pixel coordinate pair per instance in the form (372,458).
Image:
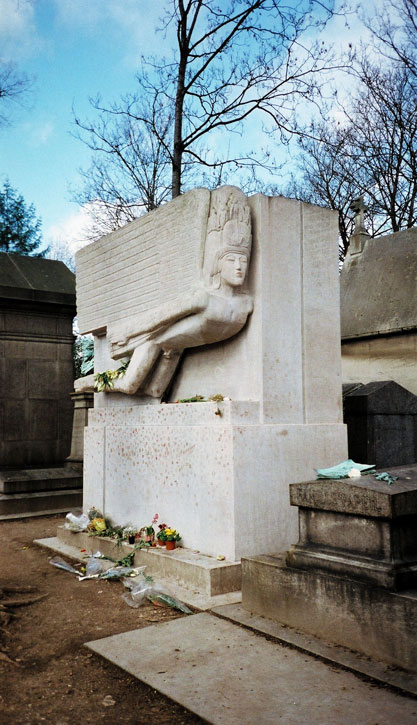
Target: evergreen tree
(19,228)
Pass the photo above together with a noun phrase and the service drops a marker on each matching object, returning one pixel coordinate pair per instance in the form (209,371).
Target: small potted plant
(160,534)
(147,533)
(130,533)
(170,536)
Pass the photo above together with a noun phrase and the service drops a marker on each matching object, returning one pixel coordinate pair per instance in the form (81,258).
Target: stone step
(187,567)
(29,480)
(199,581)
(21,505)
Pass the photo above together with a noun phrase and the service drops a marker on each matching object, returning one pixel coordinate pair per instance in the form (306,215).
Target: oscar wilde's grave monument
(214,293)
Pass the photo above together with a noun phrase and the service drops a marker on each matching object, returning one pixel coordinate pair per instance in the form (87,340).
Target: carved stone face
(233,267)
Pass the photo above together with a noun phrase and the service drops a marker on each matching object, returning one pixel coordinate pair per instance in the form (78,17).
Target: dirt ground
(46,674)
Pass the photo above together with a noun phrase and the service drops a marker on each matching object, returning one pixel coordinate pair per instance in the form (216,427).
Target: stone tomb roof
(381,397)
(35,279)
(379,287)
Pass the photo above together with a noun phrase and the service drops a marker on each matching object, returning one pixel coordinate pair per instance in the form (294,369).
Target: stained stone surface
(222,480)
(230,676)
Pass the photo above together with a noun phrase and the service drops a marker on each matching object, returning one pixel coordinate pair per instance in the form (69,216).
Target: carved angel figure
(215,311)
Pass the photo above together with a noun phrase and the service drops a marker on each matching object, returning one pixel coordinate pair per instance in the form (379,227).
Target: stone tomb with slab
(351,579)
(213,294)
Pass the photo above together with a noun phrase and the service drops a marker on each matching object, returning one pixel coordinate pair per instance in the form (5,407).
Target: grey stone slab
(377,671)
(382,423)
(14,505)
(381,397)
(184,566)
(363,529)
(364,496)
(229,676)
(24,277)
(39,479)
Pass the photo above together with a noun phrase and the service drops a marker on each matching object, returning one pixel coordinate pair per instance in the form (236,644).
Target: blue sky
(73,49)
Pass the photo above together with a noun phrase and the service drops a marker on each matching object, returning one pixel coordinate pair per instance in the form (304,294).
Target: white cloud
(71,230)
(132,21)
(18,34)
(41,133)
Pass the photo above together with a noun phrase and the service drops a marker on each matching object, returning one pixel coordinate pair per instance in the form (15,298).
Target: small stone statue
(216,310)
(359,208)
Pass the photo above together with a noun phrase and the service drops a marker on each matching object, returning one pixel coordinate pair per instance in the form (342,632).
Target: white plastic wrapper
(76,523)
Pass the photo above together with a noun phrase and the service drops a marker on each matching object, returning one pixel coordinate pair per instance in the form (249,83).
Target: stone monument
(37,299)
(214,294)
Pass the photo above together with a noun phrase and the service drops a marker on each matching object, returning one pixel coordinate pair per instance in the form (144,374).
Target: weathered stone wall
(378,295)
(36,366)
(386,357)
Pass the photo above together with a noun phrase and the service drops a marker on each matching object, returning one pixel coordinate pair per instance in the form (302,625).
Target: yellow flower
(99,524)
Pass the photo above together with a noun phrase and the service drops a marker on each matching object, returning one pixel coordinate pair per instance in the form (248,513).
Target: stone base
(213,471)
(39,491)
(199,581)
(188,568)
(367,619)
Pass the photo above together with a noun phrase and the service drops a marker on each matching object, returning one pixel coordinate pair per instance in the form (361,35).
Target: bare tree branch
(13,88)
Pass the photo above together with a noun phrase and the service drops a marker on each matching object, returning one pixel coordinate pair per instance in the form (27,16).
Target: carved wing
(144,270)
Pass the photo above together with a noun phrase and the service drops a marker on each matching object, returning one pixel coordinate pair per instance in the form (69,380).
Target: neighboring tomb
(36,362)
(352,578)
(37,299)
(213,293)
(381,419)
(379,309)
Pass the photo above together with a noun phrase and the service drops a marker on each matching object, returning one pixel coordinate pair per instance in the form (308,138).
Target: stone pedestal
(214,471)
(365,530)
(352,578)
(82,404)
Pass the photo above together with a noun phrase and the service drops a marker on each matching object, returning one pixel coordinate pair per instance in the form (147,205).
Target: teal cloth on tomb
(342,469)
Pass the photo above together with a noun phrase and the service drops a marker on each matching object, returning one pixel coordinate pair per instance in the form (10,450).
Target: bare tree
(394,28)
(372,151)
(130,166)
(13,87)
(233,60)
(326,176)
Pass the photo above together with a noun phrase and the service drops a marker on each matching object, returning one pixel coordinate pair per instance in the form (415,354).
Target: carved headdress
(228,228)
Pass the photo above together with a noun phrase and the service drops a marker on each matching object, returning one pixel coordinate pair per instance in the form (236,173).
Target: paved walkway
(231,676)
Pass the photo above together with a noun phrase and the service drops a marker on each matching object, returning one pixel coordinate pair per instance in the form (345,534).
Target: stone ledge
(190,592)
(367,619)
(39,479)
(365,496)
(225,412)
(388,574)
(188,568)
